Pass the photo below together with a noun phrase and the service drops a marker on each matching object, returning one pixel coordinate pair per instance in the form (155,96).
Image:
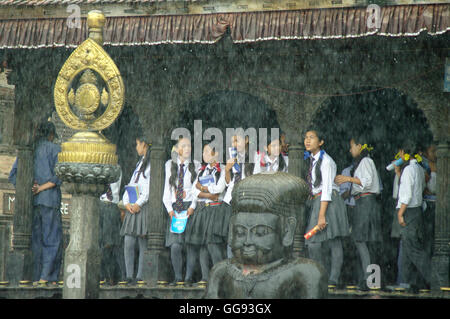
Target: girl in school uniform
(365,185)
(205,226)
(180,174)
(236,169)
(272,159)
(327,206)
(410,218)
(134,227)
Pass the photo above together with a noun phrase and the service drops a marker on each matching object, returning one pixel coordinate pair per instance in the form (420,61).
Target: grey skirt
(219,224)
(336,217)
(195,233)
(135,224)
(173,238)
(366,221)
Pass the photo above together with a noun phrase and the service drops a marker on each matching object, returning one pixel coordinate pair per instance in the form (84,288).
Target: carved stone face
(256,238)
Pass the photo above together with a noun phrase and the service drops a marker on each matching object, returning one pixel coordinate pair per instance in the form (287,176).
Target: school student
(352,272)
(429,159)
(395,233)
(180,174)
(366,220)
(327,206)
(205,228)
(134,227)
(236,169)
(410,218)
(271,159)
(111,248)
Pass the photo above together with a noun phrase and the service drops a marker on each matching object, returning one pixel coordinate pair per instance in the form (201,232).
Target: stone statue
(261,235)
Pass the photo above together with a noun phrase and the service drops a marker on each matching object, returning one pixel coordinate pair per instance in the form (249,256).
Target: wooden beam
(198,7)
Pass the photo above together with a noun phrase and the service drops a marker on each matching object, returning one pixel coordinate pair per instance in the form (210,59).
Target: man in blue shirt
(13,174)
(46,242)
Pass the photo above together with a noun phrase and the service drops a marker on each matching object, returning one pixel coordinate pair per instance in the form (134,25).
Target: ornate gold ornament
(79,107)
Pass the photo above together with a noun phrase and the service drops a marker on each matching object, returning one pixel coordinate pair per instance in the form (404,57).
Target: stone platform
(133,292)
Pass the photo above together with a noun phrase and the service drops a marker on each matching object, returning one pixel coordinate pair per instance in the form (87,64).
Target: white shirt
(271,165)
(169,196)
(412,184)
(143,184)
(216,188)
(328,170)
(368,175)
(227,198)
(115,189)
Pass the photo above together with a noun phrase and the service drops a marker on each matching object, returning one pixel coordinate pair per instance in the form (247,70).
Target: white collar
(316,157)
(268,160)
(186,162)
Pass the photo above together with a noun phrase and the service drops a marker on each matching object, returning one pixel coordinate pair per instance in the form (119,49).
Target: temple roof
(248,26)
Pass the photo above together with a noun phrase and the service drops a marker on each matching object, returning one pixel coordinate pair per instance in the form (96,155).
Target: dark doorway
(225,109)
(386,117)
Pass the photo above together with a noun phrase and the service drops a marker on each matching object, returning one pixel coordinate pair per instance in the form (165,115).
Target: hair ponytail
(365,152)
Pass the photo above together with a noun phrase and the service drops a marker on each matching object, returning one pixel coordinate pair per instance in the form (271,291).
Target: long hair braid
(146,160)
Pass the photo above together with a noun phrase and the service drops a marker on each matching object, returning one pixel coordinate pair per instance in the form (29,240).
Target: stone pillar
(86,182)
(19,259)
(157,263)
(296,150)
(441,257)
(19,264)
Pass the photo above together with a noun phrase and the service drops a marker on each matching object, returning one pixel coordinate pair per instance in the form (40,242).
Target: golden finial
(95,65)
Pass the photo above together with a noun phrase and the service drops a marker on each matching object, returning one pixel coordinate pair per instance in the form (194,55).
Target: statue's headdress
(279,193)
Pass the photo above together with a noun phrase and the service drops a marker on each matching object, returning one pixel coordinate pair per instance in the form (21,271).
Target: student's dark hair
(217,175)
(410,147)
(317,171)
(146,161)
(174,170)
(359,139)
(270,139)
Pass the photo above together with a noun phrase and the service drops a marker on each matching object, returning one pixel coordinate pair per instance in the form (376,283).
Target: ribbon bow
(262,162)
(365,146)
(307,154)
(418,158)
(407,156)
(218,167)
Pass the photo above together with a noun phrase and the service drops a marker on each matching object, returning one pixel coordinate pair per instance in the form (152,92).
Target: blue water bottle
(398,162)
(233,154)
